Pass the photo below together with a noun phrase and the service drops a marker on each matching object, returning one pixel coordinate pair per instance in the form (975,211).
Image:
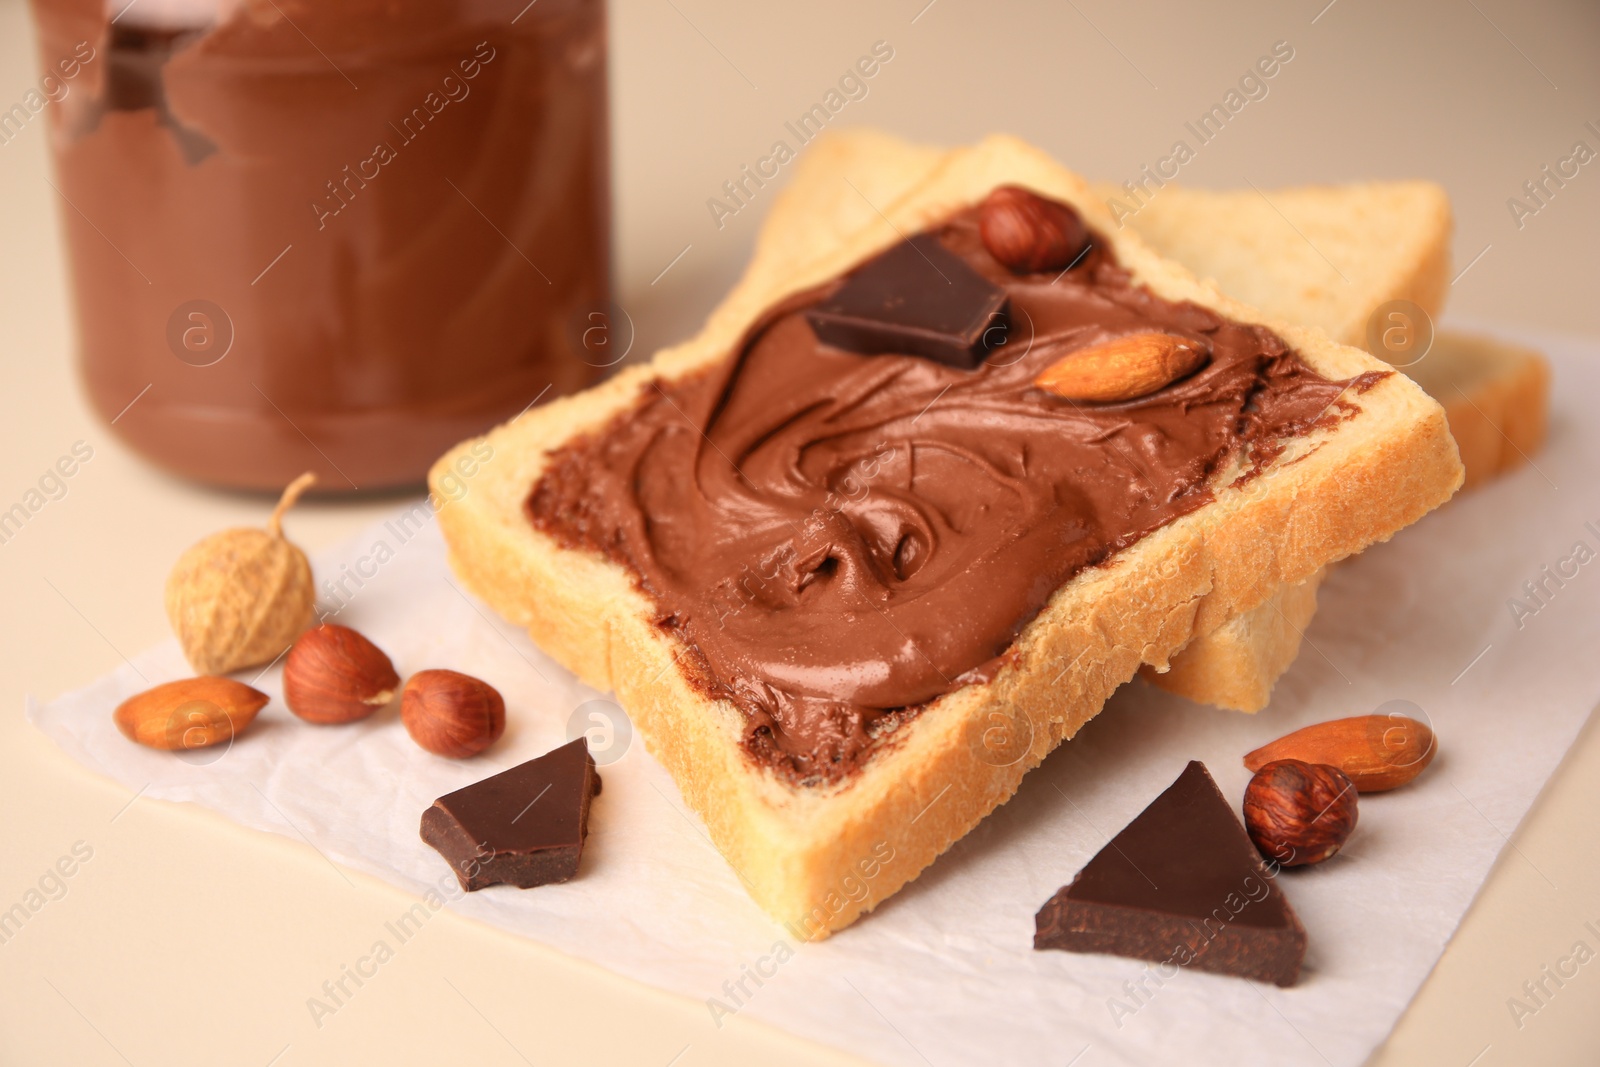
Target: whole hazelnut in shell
(240,597)
(1299,813)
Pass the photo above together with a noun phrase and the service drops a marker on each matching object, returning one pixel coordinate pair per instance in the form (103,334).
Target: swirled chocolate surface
(843,538)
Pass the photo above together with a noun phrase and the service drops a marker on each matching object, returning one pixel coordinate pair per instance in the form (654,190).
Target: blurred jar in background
(336,235)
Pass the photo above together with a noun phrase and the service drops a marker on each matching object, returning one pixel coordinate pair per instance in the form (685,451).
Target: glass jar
(330,235)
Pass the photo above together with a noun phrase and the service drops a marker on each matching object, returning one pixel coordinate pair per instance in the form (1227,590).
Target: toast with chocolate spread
(854,559)
(1325,256)
(1391,241)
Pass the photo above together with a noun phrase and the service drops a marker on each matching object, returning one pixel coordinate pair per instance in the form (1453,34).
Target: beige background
(186,940)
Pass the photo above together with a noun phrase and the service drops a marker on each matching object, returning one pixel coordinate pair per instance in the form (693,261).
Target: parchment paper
(944,973)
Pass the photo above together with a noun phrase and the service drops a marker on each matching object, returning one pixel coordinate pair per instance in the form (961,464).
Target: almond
(1122,368)
(1377,752)
(192,713)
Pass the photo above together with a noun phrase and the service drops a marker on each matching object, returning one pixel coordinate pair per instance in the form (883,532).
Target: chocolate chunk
(1181,883)
(524,827)
(918,298)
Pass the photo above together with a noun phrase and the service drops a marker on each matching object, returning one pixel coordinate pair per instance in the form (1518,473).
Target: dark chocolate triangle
(524,827)
(918,299)
(1180,883)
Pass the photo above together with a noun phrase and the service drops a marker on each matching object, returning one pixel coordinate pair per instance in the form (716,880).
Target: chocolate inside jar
(329,236)
(845,537)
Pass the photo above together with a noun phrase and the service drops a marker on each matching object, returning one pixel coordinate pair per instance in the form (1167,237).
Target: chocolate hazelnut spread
(844,538)
(337,235)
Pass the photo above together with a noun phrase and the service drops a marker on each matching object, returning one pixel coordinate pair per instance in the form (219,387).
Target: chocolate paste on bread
(844,537)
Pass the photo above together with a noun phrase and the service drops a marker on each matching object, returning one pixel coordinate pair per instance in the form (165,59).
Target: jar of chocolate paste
(329,235)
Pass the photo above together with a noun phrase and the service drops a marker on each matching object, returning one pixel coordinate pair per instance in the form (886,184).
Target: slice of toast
(1236,665)
(817,857)
(1496,396)
(1393,235)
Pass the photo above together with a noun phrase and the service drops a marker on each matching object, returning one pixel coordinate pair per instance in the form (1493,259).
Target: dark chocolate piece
(524,827)
(1181,884)
(919,299)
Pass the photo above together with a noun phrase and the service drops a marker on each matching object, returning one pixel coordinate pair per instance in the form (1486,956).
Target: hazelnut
(188,714)
(1028,233)
(334,675)
(452,714)
(1299,813)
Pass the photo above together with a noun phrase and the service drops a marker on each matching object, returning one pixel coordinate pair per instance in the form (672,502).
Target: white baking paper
(944,973)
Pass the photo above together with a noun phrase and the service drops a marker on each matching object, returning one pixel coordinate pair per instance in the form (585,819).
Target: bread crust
(816,858)
(1496,396)
(1236,665)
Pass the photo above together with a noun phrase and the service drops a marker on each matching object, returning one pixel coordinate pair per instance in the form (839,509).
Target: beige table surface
(186,940)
